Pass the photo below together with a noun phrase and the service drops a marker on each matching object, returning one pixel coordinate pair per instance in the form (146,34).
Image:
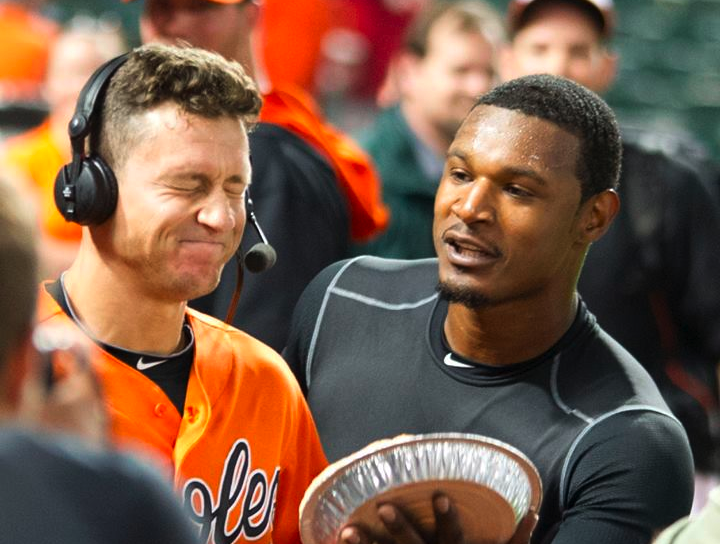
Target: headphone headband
(86,189)
(87,102)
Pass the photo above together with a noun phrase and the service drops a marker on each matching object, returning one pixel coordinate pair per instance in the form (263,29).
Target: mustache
(462,234)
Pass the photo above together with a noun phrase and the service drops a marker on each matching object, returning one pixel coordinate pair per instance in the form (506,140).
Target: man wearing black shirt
(659,260)
(507,349)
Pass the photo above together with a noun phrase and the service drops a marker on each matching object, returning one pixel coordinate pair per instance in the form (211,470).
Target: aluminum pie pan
(492,485)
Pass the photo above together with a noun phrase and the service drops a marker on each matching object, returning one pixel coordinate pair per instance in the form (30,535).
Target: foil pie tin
(492,485)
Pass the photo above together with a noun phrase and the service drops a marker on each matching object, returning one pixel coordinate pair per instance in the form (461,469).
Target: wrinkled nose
(477,82)
(217,213)
(557,63)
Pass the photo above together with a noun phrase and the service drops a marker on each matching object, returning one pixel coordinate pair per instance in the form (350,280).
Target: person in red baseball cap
(315,190)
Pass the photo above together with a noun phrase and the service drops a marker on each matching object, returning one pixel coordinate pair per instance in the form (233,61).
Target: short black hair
(575,109)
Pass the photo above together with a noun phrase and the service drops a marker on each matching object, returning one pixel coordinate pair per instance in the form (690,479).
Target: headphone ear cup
(91,198)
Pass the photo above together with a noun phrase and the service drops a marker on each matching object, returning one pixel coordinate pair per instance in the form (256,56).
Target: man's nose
(557,63)
(478,82)
(476,203)
(218,213)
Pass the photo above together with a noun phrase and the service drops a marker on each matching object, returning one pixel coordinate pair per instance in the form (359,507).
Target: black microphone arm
(260,257)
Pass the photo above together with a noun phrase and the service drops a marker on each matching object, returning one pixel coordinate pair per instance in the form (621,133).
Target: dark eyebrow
(452,152)
(510,172)
(526,173)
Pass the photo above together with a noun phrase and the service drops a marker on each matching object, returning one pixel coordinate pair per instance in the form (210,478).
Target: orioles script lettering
(242,491)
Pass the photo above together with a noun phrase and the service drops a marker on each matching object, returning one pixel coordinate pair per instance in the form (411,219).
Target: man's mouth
(469,252)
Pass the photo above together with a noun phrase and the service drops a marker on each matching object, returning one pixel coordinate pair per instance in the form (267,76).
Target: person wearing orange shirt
(26,38)
(36,156)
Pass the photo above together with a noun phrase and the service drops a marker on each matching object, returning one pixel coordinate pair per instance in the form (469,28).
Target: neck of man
(425,130)
(114,308)
(511,332)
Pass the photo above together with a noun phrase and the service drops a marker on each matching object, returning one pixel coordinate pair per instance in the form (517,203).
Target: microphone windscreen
(260,257)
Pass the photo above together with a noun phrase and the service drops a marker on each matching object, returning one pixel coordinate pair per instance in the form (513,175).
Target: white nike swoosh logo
(141,365)
(449,361)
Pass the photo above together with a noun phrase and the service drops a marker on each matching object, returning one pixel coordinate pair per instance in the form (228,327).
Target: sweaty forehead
(512,137)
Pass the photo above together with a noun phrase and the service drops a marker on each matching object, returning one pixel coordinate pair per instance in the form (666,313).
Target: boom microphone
(260,257)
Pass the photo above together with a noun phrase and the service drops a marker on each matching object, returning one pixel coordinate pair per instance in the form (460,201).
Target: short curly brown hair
(200,82)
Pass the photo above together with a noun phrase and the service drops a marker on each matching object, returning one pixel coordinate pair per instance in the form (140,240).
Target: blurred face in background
(74,57)
(442,86)
(223,28)
(561,40)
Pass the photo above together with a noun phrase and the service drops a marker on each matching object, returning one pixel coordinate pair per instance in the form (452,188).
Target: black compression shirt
(366,345)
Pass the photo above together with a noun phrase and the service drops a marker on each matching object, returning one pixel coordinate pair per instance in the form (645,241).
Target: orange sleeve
(297,112)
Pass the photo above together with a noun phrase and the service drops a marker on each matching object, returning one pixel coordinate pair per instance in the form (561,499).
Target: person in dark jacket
(447,60)
(652,280)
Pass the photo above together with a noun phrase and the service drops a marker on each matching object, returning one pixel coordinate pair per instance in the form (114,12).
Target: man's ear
(597,215)
(607,72)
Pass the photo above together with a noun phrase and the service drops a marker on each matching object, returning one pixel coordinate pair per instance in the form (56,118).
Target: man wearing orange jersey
(313,187)
(158,180)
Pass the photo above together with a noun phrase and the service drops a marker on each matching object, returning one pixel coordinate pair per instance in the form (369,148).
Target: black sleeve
(630,476)
(303,323)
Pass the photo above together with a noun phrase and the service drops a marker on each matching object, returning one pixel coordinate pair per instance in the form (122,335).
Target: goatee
(462,295)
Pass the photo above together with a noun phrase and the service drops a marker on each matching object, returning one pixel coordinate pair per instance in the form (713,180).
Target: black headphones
(86,189)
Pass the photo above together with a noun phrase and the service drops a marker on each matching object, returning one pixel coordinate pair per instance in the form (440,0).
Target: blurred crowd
(395,79)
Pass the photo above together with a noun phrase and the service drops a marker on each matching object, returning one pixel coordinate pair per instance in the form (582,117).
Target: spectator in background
(56,490)
(356,54)
(448,60)
(36,156)
(314,189)
(26,38)
(652,280)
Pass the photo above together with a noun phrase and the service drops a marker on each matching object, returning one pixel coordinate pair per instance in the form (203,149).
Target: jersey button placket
(160,409)
(192,413)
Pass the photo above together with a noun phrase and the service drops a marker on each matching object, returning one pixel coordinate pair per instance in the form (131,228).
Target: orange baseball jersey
(246,447)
